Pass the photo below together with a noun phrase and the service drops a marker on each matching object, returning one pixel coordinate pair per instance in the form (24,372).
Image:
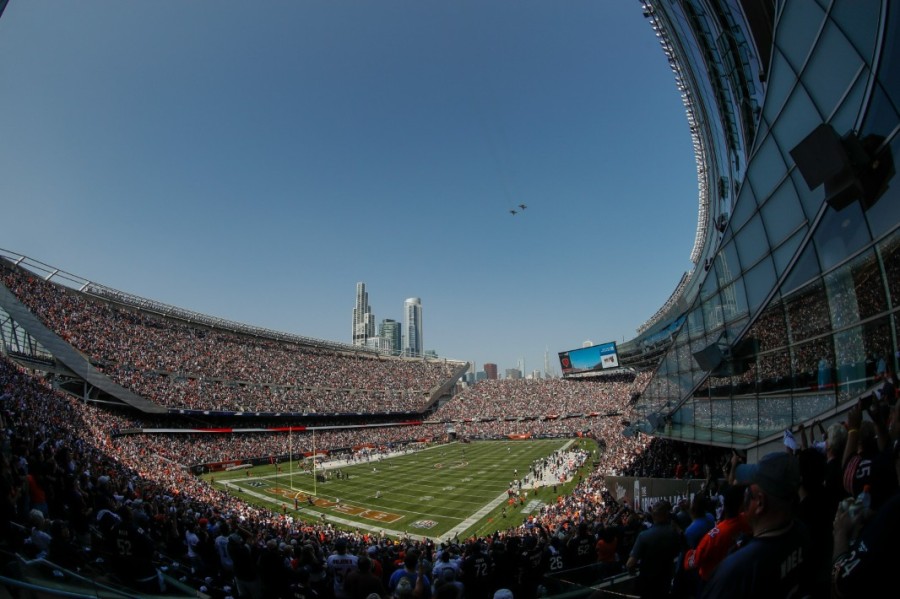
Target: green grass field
(441,491)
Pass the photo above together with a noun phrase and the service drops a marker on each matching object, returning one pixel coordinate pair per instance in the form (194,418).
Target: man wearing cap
(775,562)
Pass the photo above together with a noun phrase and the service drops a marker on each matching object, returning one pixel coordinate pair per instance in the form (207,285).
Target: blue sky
(254,161)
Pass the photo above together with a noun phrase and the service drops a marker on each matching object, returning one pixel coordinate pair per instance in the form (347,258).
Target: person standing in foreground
(655,550)
(775,562)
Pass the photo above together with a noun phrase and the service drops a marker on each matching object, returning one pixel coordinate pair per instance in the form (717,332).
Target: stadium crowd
(72,489)
(111,495)
(182,365)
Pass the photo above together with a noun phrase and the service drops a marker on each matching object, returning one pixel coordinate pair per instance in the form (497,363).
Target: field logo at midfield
(351,510)
(424,524)
(461,464)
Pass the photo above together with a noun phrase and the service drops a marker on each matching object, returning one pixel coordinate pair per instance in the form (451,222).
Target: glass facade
(795,309)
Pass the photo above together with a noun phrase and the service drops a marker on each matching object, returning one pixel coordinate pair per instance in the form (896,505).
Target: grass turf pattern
(440,491)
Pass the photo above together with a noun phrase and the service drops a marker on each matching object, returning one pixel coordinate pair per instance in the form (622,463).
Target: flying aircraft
(513,212)
(523,206)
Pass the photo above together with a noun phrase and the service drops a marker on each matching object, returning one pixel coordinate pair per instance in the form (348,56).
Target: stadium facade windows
(791,312)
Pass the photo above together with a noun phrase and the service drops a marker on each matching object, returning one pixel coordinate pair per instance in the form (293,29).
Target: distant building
(363,318)
(491,371)
(380,343)
(482,376)
(412,327)
(513,373)
(390,331)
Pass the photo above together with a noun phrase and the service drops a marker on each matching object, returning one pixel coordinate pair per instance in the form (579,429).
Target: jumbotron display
(588,359)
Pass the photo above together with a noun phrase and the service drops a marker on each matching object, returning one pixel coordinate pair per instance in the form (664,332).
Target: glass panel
(770,329)
(850,362)
(767,168)
(775,415)
(859,20)
(782,80)
(847,114)
(807,312)
(722,417)
(751,242)
(806,268)
(831,69)
(703,415)
(799,25)
(782,214)
(865,273)
(746,418)
(811,199)
(759,283)
(744,208)
(814,365)
(853,290)
(695,323)
(683,356)
(783,255)
(885,213)
(734,301)
(712,314)
(810,405)
(798,118)
(710,284)
(879,349)
(890,257)
(728,266)
(774,372)
(839,234)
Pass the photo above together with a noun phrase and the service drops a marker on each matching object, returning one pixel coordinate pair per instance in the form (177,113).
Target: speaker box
(709,357)
(849,167)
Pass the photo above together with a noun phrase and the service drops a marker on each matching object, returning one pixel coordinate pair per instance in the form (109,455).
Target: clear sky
(254,160)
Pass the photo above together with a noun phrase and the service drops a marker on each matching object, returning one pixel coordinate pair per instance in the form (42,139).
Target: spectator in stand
(655,551)
(362,582)
(340,564)
(720,540)
(687,581)
(865,540)
(772,563)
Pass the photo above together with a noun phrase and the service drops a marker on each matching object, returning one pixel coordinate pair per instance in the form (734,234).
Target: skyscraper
(390,330)
(363,318)
(412,327)
(491,371)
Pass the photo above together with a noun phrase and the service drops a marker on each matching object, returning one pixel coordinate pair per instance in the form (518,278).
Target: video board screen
(587,359)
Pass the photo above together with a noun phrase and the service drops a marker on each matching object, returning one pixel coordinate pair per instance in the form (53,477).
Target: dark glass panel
(774,372)
(804,270)
(839,234)
(890,256)
(770,329)
(831,69)
(807,312)
(813,365)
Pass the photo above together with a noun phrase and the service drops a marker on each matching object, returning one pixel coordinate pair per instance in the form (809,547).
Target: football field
(438,492)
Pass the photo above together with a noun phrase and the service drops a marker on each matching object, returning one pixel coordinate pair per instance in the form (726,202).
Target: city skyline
(253,166)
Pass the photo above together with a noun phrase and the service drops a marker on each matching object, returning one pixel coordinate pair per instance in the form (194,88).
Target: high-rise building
(513,373)
(363,318)
(412,327)
(390,330)
(491,371)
